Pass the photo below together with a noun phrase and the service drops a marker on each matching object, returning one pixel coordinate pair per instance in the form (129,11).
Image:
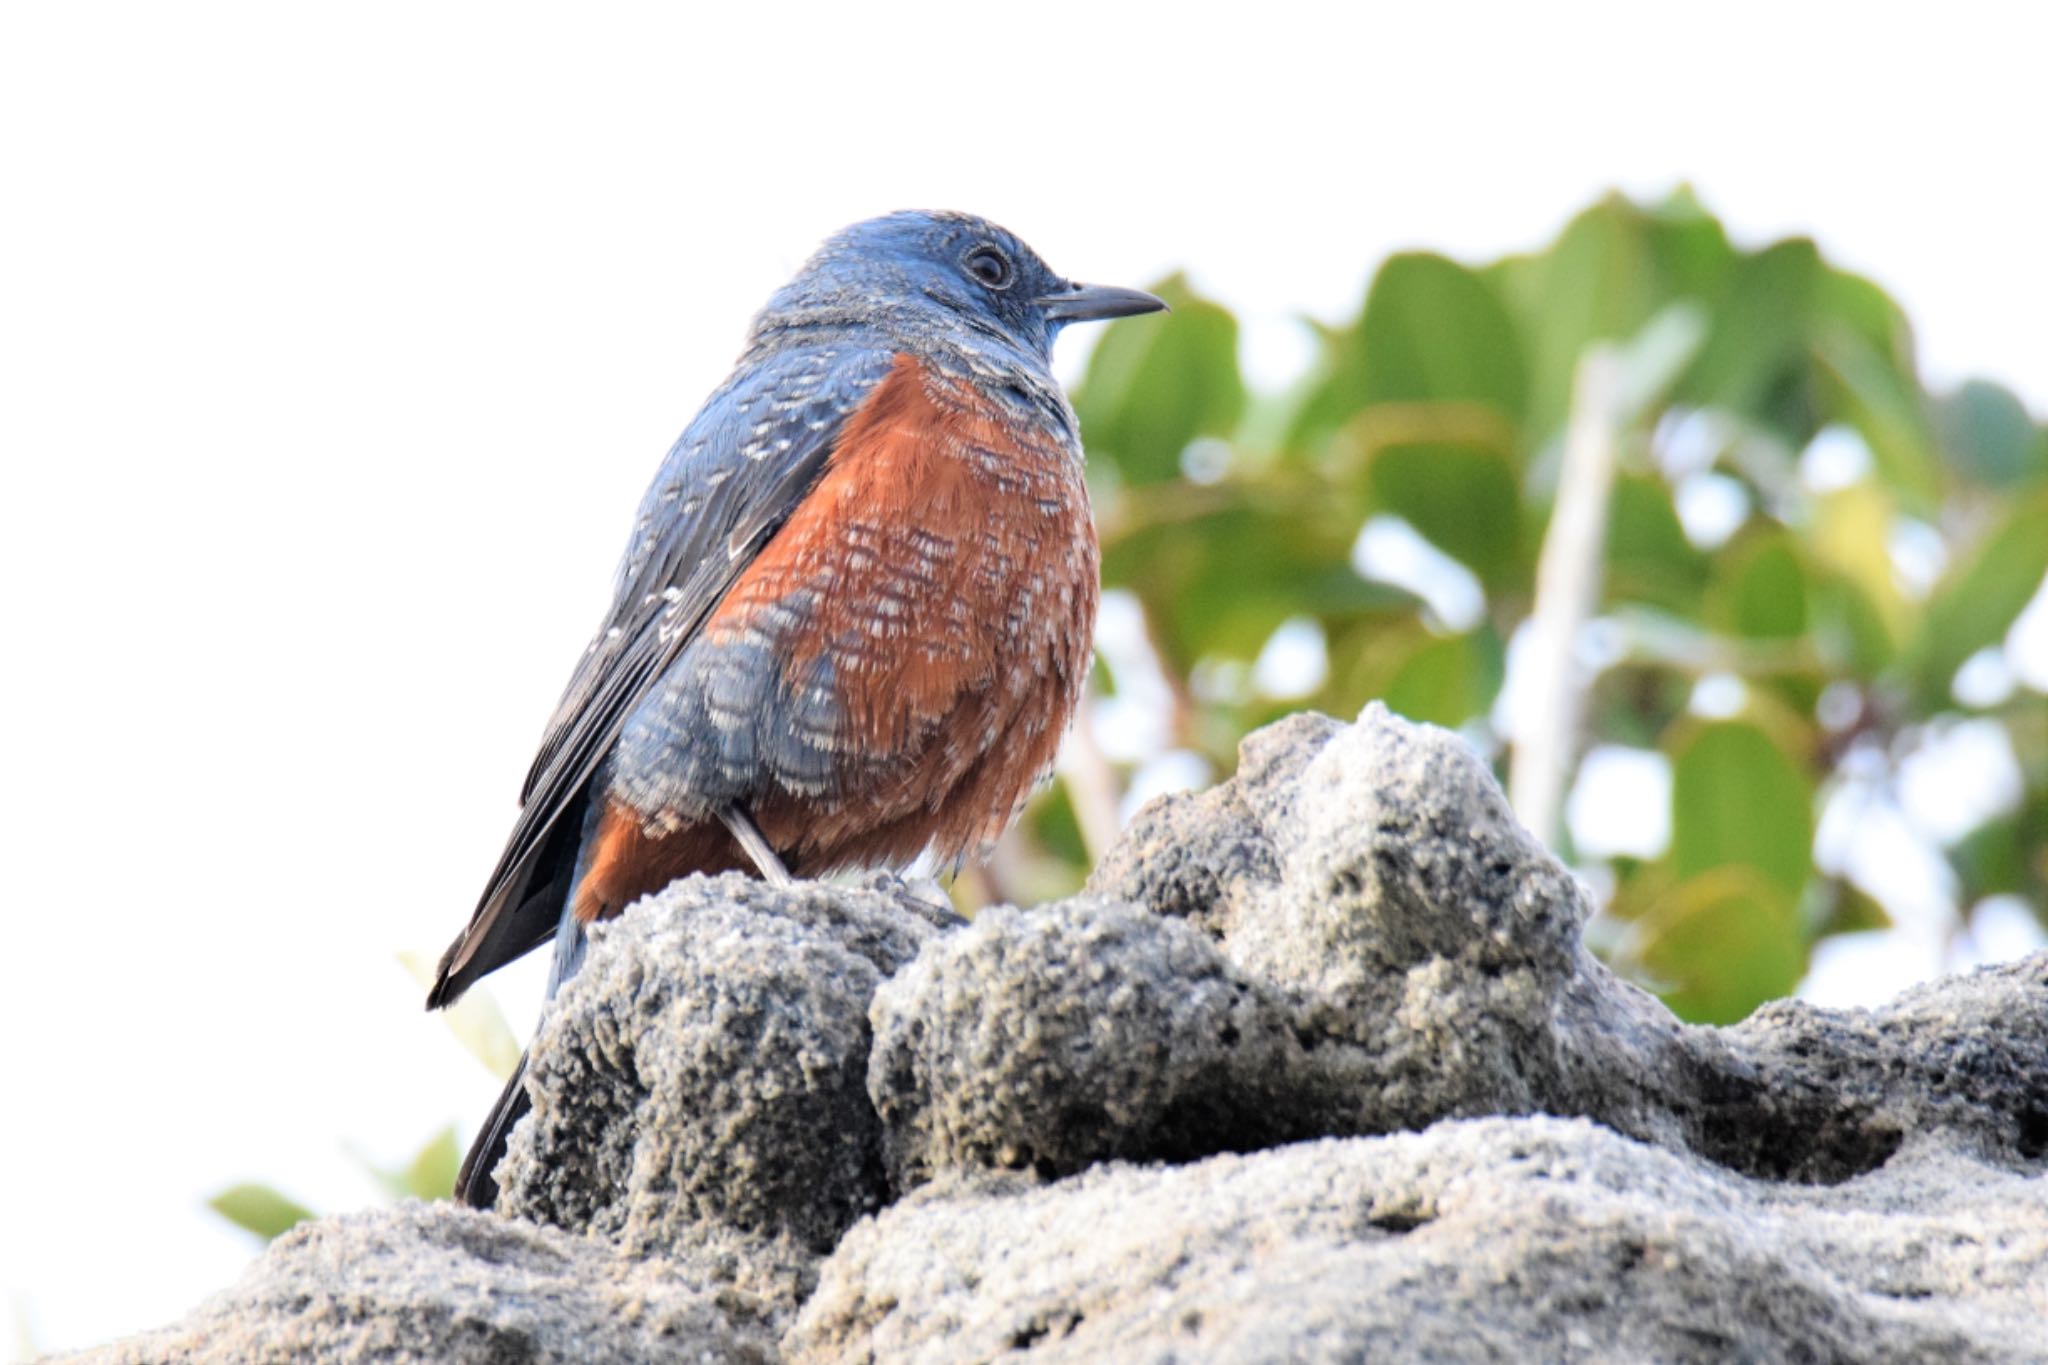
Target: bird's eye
(990,266)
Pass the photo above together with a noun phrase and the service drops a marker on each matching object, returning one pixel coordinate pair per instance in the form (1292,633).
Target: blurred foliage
(266,1213)
(259,1209)
(429,1175)
(479,1026)
(475,1020)
(1873,539)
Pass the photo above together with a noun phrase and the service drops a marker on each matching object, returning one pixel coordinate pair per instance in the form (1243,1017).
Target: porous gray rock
(1053,1038)
(1477,1240)
(709,1065)
(442,1284)
(1241,1100)
(1374,875)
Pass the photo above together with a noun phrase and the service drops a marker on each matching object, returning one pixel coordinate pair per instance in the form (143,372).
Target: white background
(336,344)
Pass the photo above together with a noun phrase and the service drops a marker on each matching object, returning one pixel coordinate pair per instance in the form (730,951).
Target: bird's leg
(749,838)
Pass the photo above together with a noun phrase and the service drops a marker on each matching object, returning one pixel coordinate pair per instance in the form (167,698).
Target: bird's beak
(1091,302)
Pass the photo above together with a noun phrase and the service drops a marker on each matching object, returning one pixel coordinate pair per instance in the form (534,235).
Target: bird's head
(941,273)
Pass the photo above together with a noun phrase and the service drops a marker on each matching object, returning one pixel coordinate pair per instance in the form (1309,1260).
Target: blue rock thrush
(854,617)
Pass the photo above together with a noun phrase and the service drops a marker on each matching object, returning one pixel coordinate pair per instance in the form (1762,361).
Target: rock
(1317,1068)
(1211,857)
(709,1063)
(1822,1094)
(1491,1239)
(1375,874)
(438,1283)
(1053,1038)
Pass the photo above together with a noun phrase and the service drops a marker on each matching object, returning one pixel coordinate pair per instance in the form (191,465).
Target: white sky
(337,348)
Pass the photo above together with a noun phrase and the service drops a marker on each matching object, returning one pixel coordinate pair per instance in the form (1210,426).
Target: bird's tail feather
(476,1183)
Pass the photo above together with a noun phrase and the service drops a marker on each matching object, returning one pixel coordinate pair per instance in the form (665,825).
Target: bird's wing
(732,478)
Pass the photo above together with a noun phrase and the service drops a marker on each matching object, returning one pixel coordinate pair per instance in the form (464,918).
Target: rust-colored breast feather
(956,570)
(949,558)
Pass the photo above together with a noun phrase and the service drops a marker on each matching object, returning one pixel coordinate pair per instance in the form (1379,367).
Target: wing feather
(731,480)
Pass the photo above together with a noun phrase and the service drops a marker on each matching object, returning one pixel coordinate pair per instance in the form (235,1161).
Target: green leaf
(1218,583)
(1719,944)
(1433,331)
(2008,854)
(1634,703)
(1154,384)
(1365,657)
(1057,827)
(1463,499)
(475,1020)
(1692,247)
(1977,600)
(1850,636)
(1861,306)
(1991,860)
(1882,400)
(1738,800)
(1985,432)
(259,1209)
(1613,269)
(1843,908)
(1851,536)
(1598,281)
(1450,679)
(432,1172)
(1649,558)
(1760,588)
(1654,358)
(429,1175)
(1432,335)
(1756,345)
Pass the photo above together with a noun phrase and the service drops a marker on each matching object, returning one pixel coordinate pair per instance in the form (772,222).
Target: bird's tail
(476,1184)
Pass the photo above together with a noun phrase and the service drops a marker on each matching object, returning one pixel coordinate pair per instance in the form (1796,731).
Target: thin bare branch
(1552,692)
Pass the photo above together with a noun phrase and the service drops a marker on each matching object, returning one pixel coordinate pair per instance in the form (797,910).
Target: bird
(854,616)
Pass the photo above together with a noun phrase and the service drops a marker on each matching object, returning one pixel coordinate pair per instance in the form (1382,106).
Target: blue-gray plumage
(854,616)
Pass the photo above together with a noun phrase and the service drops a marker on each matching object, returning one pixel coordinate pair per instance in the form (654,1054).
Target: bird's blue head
(928,276)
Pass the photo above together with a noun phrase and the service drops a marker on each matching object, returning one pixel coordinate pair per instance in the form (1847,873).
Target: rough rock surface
(710,1063)
(438,1283)
(1484,1239)
(1095,1029)
(1431,948)
(1240,1101)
